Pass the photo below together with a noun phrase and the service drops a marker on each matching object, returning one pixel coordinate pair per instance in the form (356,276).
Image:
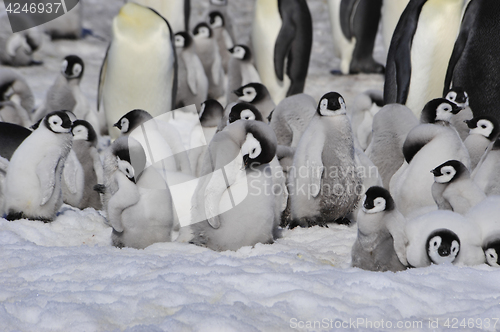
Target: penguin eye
(451,96)
(324,104)
(77,69)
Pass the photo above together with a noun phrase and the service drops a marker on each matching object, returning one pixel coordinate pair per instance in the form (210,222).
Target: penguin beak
(455,108)
(436,172)
(117,125)
(67,124)
(246,160)
(469,123)
(238,93)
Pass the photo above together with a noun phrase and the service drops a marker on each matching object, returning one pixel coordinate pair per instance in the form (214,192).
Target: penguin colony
(256,156)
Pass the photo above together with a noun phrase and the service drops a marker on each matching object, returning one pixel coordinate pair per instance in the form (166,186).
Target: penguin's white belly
(137,77)
(171,10)
(342,47)
(391,12)
(431,49)
(266,26)
(419,229)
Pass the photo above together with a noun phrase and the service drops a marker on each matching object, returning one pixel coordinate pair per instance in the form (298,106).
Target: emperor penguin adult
(17,49)
(460,97)
(442,236)
(281,42)
(324,185)
(257,95)
(354,28)
(391,12)
(85,148)
(230,205)
(224,40)
(420,49)
(208,51)
(66,94)
(176,12)
(381,241)
(391,124)
(240,72)
(192,80)
(140,209)
(140,61)
(428,145)
(472,66)
(453,189)
(484,131)
(33,182)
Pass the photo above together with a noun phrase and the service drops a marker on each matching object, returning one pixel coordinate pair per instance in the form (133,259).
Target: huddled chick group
(258,155)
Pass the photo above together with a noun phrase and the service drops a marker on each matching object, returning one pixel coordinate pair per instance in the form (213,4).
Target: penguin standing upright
(420,49)
(391,12)
(208,51)
(33,182)
(354,28)
(140,209)
(381,241)
(281,43)
(237,167)
(85,148)
(324,186)
(176,12)
(222,6)
(473,64)
(65,93)
(221,34)
(142,77)
(241,71)
(192,80)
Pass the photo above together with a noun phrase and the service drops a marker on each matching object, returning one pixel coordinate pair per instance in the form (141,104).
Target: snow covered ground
(65,276)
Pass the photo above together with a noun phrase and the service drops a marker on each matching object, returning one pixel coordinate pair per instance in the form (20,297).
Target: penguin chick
(461,98)
(484,131)
(244,111)
(381,241)
(390,127)
(11,136)
(257,95)
(140,210)
(224,40)
(325,151)
(453,189)
(85,148)
(16,49)
(485,216)
(486,173)
(439,111)
(192,84)
(364,108)
(208,51)
(236,168)
(160,139)
(241,71)
(443,237)
(15,88)
(33,182)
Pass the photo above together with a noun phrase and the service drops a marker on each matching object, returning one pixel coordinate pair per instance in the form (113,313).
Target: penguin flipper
(98,169)
(102,78)
(191,72)
(347,13)
(282,47)
(461,41)
(46,173)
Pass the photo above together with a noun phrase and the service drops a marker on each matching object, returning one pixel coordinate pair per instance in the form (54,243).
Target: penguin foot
(302,222)
(366,67)
(342,221)
(336,72)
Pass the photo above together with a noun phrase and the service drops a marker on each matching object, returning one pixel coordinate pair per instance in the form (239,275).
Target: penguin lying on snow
(443,237)
(33,182)
(324,184)
(140,209)
(381,241)
(237,168)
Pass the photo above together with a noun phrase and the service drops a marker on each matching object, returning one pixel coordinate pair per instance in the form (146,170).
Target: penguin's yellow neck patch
(137,20)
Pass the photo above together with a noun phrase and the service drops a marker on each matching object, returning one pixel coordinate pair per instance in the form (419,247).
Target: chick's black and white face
(446,174)
(202,32)
(443,247)
(216,21)
(58,123)
(461,99)
(492,256)
(484,127)
(126,168)
(250,149)
(249,95)
(444,112)
(239,52)
(72,67)
(179,41)
(80,132)
(124,125)
(373,206)
(332,104)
